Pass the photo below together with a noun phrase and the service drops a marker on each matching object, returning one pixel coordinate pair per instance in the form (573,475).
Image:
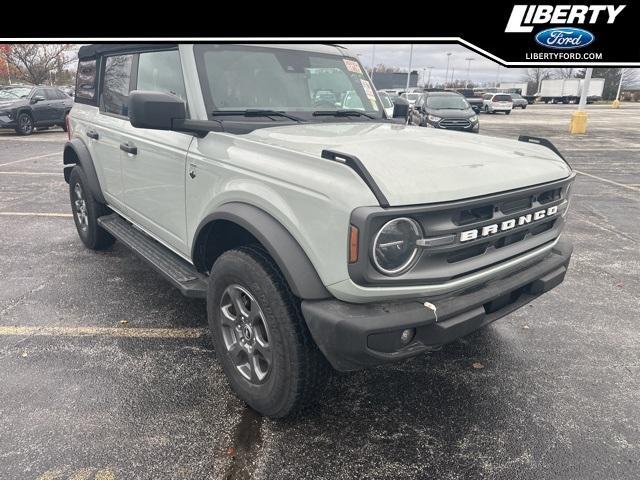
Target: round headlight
(394,246)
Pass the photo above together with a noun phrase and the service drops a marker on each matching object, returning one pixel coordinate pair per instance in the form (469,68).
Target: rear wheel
(507,112)
(260,337)
(25,124)
(86,211)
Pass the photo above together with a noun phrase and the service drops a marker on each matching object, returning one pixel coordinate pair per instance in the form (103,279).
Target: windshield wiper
(255,113)
(342,113)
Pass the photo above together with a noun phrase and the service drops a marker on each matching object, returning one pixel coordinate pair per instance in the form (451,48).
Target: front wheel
(260,337)
(507,112)
(25,124)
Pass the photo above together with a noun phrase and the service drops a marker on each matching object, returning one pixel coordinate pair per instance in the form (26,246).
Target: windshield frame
(200,51)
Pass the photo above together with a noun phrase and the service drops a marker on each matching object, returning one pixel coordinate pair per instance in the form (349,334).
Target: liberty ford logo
(564,38)
(488,230)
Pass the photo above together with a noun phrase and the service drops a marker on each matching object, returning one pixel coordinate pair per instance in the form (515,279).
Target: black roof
(97,49)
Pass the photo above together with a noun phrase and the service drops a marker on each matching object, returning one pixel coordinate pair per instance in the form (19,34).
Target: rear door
(105,134)
(154,168)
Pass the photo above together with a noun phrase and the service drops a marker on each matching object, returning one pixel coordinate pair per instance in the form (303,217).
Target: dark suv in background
(25,107)
(447,110)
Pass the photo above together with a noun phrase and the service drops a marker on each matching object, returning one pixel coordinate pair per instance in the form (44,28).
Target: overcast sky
(429,55)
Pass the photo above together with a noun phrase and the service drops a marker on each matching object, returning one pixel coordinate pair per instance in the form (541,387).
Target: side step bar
(178,271)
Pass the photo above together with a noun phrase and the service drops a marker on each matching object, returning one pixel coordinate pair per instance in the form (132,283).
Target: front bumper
(355,336)
(7,121)
(473,127)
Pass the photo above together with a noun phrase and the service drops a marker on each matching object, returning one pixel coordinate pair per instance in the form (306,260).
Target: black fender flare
(75,151)
(291,259)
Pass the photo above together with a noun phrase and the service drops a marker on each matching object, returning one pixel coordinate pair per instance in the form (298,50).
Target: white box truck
(568,90)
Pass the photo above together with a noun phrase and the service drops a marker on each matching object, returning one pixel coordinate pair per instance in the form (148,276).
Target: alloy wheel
(246,334)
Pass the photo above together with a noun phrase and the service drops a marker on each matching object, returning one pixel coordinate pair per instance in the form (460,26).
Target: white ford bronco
(268,180)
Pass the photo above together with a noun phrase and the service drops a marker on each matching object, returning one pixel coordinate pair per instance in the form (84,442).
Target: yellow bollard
(615,104)
(578,122)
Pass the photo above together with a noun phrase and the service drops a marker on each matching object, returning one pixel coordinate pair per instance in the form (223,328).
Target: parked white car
(411,97)
(387,103)
(497,102)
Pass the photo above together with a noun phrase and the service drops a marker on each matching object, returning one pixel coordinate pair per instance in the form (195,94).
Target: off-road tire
(299,370)
(91,234)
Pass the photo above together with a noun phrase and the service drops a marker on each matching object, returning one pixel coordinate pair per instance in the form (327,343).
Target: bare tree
(35,61)
(533,77)
(564,72)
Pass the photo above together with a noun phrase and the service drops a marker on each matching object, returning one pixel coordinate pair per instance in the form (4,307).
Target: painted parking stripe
(34,214)
(57,174)
(132,332)
(623,185)
(31,158)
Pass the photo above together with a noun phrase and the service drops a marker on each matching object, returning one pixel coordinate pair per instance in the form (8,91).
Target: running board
(178,271)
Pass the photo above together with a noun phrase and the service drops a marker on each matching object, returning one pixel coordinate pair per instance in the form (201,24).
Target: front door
(153,161)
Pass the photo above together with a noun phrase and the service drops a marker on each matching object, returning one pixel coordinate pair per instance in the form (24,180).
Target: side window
(161,72)
(86,80)
(39,92)
(50,94)
(115,87)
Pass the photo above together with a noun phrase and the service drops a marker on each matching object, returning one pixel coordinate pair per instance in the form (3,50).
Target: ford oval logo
(564,38)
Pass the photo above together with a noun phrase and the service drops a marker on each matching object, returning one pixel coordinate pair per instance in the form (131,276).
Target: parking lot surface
(106,371)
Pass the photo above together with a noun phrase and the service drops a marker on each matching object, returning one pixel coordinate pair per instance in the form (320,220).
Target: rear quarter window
(86,80)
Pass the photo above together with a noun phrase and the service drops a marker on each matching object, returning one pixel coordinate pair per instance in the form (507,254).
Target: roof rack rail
(357,166)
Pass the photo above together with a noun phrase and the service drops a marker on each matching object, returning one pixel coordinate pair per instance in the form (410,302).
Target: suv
(319,236)
(448,110)
(24,108)
(518,101)
(497,102)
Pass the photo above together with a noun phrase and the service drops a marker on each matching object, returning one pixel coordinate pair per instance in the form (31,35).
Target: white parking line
(9,330)
(629,187)
(58,174)
(31,158)
(35,214)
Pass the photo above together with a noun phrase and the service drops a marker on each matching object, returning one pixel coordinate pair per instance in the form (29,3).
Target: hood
(451,113)
(10,102)
(416,165)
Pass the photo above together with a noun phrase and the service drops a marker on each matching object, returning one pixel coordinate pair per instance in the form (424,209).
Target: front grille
(486,216)
(455,123)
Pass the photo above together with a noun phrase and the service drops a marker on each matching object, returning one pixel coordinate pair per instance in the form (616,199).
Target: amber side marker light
(353,244)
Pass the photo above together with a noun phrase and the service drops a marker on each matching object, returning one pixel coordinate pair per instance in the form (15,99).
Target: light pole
(579,119)
(453,71)
(373,60)
(446,75)
(410,62)
(469,60)
(620,85)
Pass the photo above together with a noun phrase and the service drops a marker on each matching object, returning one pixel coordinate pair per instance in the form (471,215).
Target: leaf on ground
(477,365)
(124,322)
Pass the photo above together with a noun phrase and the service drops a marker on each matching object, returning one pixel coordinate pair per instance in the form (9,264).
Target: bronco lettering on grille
(494,228)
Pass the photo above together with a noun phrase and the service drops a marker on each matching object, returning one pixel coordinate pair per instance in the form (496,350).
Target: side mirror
(401,108)
(37,98)
(155,110)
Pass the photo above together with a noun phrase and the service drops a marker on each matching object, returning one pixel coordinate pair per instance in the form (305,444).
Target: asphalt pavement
(106,371)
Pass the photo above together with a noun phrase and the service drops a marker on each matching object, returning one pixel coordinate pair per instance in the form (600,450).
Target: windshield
(447,101)
(386,101)
(12,93)
(502,98)
(515,95)
(411,96)
(239,78)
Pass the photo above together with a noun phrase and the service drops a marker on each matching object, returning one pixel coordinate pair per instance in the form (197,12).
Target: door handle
(93,134)
(129,148)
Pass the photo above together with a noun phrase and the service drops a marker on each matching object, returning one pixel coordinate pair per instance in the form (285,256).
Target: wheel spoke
(263,351)
(236,298)
(227,319)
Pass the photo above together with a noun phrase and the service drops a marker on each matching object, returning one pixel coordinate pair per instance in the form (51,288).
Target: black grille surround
(454,259)
(454,123)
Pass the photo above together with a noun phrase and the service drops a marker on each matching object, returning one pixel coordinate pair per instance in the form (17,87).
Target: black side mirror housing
(37,98)
(400,107)
(155,110)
